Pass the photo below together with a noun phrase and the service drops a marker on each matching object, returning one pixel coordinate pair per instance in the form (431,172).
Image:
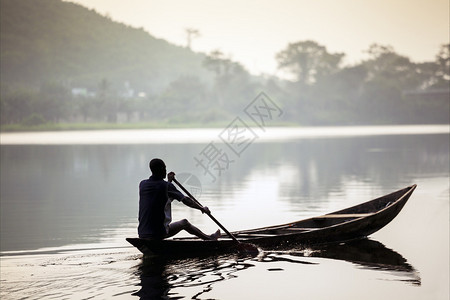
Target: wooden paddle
(242,246)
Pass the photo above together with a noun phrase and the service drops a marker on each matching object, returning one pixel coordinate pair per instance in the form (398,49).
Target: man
(155,214)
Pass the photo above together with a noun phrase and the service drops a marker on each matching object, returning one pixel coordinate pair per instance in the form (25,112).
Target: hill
(50,40)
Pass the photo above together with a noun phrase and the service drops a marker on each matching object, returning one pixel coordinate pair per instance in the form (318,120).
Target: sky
(253,31)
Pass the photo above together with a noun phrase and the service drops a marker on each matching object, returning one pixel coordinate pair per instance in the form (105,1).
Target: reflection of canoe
(348,224)
(365,253)
(369,254)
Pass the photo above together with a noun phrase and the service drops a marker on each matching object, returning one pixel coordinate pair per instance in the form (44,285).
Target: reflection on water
(95,274)
(163,277)
(109,273)
(160,276)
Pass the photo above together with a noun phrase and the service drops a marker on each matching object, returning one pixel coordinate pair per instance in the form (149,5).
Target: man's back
(153,198)
(155,212)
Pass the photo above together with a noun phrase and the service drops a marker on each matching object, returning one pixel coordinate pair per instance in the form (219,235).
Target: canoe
(352,223)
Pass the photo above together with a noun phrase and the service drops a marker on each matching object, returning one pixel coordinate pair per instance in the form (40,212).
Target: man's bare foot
(215,236)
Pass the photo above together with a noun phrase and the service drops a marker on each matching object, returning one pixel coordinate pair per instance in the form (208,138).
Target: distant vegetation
(62,63)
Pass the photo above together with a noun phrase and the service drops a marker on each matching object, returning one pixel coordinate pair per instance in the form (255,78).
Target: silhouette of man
(155,213)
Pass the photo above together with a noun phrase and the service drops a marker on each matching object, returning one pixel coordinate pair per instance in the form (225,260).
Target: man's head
(158,168)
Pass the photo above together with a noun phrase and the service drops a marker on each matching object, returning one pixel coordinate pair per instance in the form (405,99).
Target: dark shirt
(155,197)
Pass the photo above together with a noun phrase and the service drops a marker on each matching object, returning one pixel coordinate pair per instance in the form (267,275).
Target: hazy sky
(253,31)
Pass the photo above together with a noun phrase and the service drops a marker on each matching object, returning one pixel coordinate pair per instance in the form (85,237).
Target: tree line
(387,88)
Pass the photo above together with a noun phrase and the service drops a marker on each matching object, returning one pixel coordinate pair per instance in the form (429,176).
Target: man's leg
(184,224)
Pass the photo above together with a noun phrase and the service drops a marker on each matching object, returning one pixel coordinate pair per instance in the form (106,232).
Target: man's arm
(176,194)
(172,191)
(193,204)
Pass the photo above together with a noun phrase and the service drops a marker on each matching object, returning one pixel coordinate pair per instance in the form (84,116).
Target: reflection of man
(155,213)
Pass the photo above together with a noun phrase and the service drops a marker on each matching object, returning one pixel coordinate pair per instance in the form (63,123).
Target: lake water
(69,199)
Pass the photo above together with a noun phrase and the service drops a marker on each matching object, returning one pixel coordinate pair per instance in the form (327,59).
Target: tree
(308,61)
(191,34)
(336,96)
(182,97)
(443,67)
(231,80)
(84,106)
(52,102)
(15,106)
(107,102)
(390,75)
(217,62)
(397,70)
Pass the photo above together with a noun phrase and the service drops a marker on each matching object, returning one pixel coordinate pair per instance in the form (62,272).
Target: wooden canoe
(352,223)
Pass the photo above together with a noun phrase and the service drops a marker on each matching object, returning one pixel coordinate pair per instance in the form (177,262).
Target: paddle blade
(248,249)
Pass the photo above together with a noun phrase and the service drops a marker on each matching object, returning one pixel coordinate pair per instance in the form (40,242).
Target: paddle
(242,246)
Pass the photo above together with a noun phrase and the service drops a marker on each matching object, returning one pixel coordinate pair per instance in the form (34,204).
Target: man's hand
(205,210)
(170,176)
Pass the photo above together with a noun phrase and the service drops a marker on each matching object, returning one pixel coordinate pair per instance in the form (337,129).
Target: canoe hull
(175,247)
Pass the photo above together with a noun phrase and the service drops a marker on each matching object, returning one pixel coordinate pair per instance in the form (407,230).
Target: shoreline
(57,127)
(206,135)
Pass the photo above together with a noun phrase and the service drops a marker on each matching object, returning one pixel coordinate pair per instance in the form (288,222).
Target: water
(67,207)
